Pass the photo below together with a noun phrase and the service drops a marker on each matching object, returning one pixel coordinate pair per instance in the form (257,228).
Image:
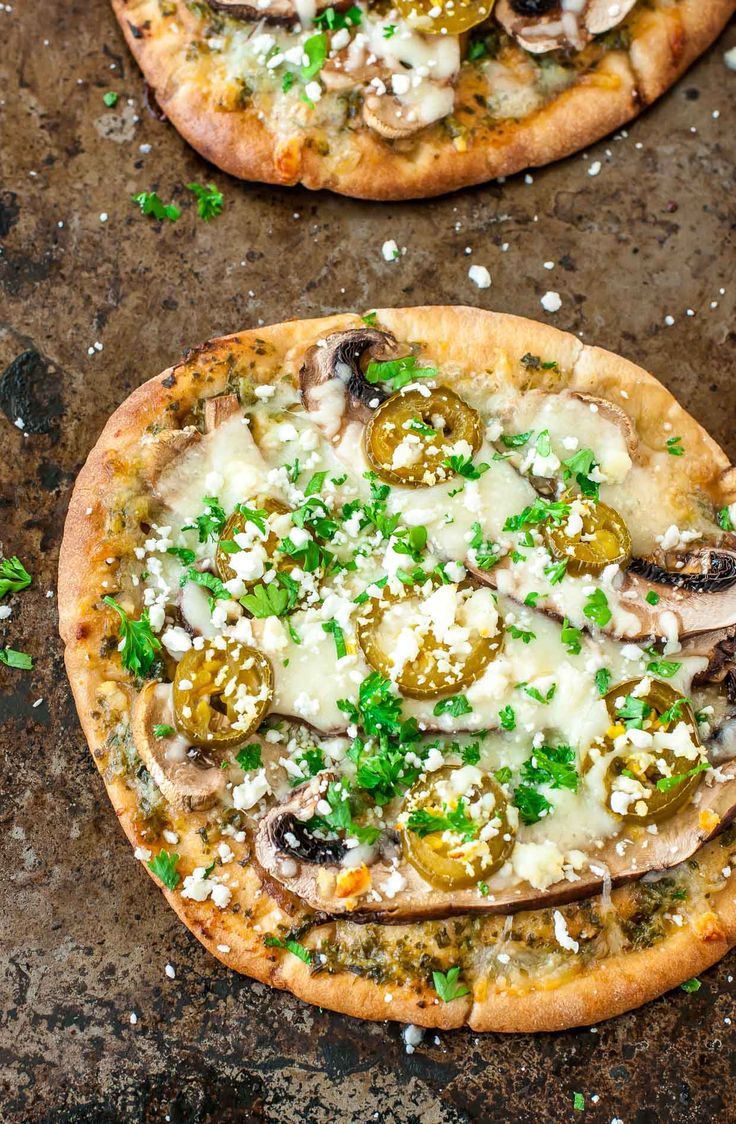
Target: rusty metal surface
(84,935)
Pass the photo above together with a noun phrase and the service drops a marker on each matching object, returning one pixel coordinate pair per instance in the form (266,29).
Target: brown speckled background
(84,934)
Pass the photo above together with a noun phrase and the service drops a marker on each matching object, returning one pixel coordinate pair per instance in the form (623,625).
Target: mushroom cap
(387,116)
(331,381)
(551,27)
(314,879)
(187,785)
(274,11)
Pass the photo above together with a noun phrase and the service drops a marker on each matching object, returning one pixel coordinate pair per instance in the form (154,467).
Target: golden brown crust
(598,990)
(666,41)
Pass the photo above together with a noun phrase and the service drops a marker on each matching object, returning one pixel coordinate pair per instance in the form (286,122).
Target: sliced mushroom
(614,414)
(277,11)
(219,410)
(187,784)
(160,449)
(317,877)
(389,117)
(719,648)
(333,387)
(551,25)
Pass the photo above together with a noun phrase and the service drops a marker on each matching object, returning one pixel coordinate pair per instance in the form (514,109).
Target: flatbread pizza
(393,102)
(404,644)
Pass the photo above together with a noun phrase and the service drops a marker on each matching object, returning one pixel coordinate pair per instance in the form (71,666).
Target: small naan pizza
(400,101)
(404,644)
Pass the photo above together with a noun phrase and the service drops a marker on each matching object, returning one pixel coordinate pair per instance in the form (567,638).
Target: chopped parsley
(315,48)
(20,660)
(389,30)
(208,581)
(13,576)
(457,820)
(572,638)
(532,805)
(516,440)
(397,372)
(110,98)
(503,775)
(675,447)
(652,598)
(552,765)
(448,986)
(249,757)
(209,200)
(486,553)
(664,784)
(725,522)
(539,512)
(185,556)
(464,467)
(314,486)
(521,634)
(139,644)
(455,706)
(603,679)
(210,524)
(294,947)
(338,636)
(163,866)
(287,81)
(534,363)
(370,319)
(150,204)
(633,711)
(596,608)
(161,730)
(578,1102)
(691,985)
(267,600)
(536,694)
(555,572)
(330,20)
(507,717)
(665,669)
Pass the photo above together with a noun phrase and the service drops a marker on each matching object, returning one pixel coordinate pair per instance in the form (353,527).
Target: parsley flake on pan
(209,200)
(13,576)
(150,204)
(20,660)
(294,947)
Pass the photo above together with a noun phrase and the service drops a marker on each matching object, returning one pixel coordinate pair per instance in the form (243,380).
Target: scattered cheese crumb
(551,301)
(480,276)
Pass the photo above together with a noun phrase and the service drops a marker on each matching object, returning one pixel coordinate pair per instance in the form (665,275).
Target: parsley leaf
(692,985)
(485,552)
(455,706)
(553,765)
(209,525)
(209,582)
(507,718)
(520,634)
(139,643)
(13,576)
(397,372)
(652,598)
(633,711)
(464,466)
(447,984)
(209,200)
(161,730)
(370,318)
(163,866)
(314,486)
(725,521)
(578,1102)
(603,680)
(536,694)
(596,608)
(294,947)
(503,775)
(664,784)
(532,805)
(185,556)
(534,363)
(150,204)
(571,637)
(516,440)
(110,98)
(674,447)
(538,512)
(338,636)
(665,669)
(315,48)
(556,571)
(423,822)
(266,601)
(249,757)
(330,20)
(20,660)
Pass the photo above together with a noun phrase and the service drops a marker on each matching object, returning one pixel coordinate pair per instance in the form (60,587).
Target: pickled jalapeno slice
(445,17)
(661,763)
(411,435)
(236,524)
(456,827)
(222,693)
(433,639)
(592,537)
